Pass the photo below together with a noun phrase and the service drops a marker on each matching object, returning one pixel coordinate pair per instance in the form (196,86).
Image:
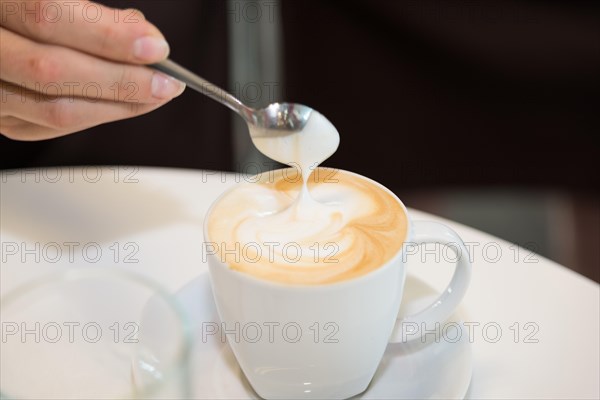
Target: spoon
(290,133)
(277,117)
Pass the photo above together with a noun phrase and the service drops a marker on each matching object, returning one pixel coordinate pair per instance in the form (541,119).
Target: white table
(535,324)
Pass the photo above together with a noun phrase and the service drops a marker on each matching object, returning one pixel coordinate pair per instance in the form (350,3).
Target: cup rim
(314,287)
(180,361)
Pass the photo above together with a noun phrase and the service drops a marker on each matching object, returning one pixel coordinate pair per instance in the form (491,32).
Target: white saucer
(415,370)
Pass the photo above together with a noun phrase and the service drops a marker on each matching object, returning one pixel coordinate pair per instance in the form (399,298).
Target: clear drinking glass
(92,333)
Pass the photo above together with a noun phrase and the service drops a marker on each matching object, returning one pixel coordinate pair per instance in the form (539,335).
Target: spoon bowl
(290,117)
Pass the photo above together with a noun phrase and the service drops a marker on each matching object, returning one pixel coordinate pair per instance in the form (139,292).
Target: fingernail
(165,87)
(150,48)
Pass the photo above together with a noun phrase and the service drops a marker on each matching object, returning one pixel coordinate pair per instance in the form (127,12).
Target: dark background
(483,112)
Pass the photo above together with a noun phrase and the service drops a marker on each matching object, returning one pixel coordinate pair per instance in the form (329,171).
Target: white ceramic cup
(326,341)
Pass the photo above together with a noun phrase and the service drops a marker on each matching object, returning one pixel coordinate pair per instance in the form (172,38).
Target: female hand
(69,65)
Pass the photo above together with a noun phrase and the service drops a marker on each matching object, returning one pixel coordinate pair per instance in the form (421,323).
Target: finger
(60,115)
(26,131)
(17,129)
(11,122)
(62,71)
(119,35)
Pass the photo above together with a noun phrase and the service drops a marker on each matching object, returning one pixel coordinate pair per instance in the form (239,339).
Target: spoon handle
(201,85)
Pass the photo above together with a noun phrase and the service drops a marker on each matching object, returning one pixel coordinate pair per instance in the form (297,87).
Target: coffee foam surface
(352,227)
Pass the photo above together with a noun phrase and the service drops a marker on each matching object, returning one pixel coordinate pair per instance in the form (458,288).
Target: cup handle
(413,326)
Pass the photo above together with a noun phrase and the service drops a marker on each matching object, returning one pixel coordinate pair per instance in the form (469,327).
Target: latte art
(353,227)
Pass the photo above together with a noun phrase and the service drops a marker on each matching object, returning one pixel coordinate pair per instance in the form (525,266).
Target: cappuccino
(347,227)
